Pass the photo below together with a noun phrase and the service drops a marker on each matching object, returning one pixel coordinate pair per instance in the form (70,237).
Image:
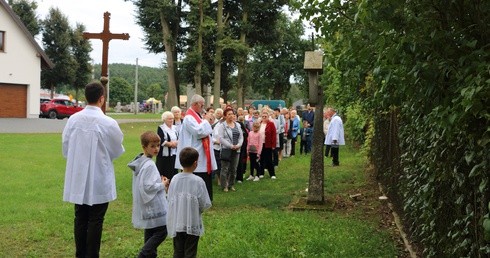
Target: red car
(58,108)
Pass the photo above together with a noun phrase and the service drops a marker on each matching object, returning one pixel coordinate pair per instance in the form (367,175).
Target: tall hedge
(421,70)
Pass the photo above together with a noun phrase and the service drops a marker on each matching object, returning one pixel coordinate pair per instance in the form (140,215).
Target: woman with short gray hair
(168,146)
(177,112)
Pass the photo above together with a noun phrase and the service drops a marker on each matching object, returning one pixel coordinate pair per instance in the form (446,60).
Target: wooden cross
(105,36)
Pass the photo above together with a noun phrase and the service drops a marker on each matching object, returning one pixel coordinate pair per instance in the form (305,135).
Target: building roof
(45,61)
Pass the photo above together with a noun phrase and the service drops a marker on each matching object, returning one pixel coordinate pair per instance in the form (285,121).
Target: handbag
(226,154)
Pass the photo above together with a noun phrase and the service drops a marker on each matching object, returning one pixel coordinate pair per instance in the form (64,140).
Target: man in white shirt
(196,132)
(335,135)
(91,141)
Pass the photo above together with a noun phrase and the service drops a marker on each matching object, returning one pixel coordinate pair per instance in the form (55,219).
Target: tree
(251,23)
(160,21)
(199,61)
(121,91)
(218,55)
(154,90)
(26,10)
(81,52)
(242,57)
(57,45)
(275,62)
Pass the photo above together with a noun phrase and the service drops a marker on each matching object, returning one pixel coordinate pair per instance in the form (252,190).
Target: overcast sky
(91,14)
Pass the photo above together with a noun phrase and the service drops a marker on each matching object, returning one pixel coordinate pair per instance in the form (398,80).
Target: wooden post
(105,36)
(314,66)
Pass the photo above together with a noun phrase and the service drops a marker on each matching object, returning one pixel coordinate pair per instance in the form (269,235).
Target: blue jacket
(294,127)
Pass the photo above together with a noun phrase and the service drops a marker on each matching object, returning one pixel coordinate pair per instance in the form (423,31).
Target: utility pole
(136,105)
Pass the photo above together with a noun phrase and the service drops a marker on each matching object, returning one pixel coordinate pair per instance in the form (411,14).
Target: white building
(21,61)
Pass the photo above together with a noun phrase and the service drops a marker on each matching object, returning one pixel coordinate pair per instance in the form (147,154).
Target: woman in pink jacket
(254,148)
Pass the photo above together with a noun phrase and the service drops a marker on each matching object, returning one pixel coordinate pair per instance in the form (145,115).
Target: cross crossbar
(105,36)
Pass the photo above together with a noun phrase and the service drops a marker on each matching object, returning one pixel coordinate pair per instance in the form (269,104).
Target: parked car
(58,108)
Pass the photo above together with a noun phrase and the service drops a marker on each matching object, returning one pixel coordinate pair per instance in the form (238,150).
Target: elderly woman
(168,142)
(268,132)
(288,134)
(231,139)
(177,117)
(295,126)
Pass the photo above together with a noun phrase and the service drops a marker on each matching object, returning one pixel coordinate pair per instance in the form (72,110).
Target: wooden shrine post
(314,66)
(105,36)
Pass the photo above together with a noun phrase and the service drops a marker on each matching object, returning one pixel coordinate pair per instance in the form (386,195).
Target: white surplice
(335,131)
(91,141)
(190,135)
(187,199)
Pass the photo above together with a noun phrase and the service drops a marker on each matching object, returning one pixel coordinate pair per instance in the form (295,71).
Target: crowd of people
(204,144)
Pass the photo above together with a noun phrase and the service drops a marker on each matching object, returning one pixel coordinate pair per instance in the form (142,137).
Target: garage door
(13,100)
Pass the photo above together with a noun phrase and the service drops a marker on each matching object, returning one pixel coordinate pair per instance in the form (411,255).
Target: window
(2,41)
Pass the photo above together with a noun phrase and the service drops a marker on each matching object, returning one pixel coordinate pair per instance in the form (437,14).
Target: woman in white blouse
(168,139)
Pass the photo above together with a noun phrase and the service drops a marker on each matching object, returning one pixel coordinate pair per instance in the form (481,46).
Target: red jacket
(270,135)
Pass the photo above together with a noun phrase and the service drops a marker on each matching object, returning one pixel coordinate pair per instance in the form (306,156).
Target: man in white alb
(196,132)
(335,135)
(91,141)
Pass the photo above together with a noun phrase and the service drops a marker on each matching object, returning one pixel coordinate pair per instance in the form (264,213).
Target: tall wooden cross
(105,36)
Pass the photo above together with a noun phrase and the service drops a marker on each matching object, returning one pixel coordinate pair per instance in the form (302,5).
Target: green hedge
(419,71)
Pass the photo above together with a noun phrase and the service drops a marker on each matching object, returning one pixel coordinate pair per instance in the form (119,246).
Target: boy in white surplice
(149,202)
(187,199)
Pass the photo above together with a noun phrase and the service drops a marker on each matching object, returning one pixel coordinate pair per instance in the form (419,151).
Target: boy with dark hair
(187,199)
(149,202)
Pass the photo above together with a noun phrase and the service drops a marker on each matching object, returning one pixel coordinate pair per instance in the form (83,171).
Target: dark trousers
(166,166)
(302,147)
(266,161)
(208,180)
(153,238)
(281,141)
(335,155)
(327,150)
(254,164)
(275,157)
(185,246)
(305,146)
(242,165)
(217,155)
(88,228)
(293,146)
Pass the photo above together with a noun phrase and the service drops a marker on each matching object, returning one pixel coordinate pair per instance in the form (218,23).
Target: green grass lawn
(140,115)
(254,221)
